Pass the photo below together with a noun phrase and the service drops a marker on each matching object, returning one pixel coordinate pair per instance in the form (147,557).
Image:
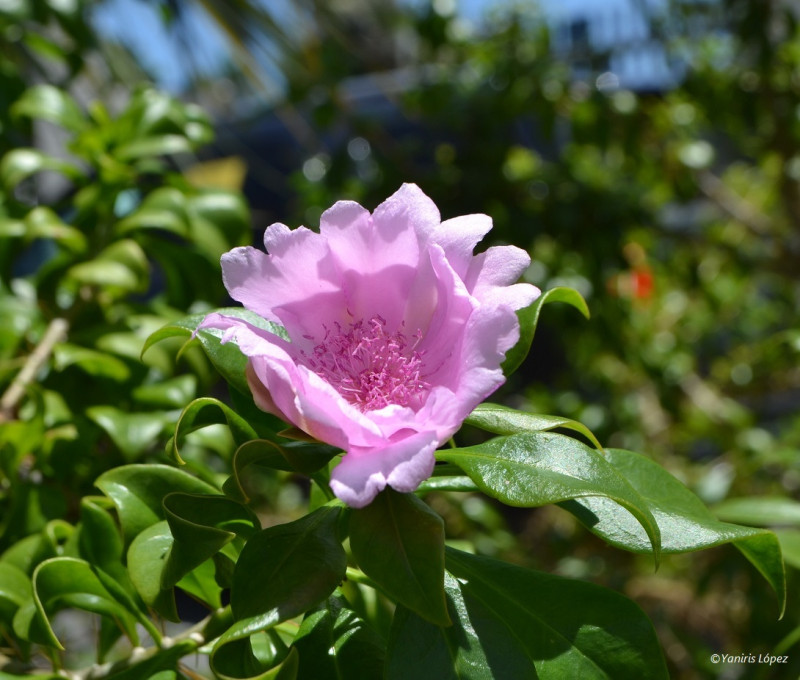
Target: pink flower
(397,331)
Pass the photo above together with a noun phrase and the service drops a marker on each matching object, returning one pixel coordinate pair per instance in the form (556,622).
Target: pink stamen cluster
(368,366)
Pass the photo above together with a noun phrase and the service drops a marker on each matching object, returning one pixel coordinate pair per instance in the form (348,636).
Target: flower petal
(459,236)
(499,267)
(402,464)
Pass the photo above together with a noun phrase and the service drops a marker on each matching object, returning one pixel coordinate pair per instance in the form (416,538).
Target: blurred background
(645,152)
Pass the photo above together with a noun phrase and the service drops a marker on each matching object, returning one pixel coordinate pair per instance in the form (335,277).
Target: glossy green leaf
(227,358)
(538,468)
(448,483)
(500,419)
(268,454)
(202,584)
(685,522)
(99,539)
(398,541)
(67,582)
(765,511)
(529,319)
(15,590)
(147,557)
(206,411)
(47,102)
(201,525)
(133,433)
(298,565)
(139,490)
(790,546)
(238,661)
(333,642)
(512,623)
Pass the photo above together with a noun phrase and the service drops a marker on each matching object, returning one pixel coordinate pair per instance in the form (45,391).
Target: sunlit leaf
(538,468)
(500,419)
(685,522)
(139,490)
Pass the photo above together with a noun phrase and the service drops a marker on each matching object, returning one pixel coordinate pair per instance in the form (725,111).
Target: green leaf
(512,623)
(686,524)
(297,564)
(161,145)
(227,358)
(201,525)
(133,433)
(163,208)
(121,265)
(447,483)
(202,583)
(529,319)
(15,590)
(333,642)
(171,393)
(207,411)
(765,511)
(42,222)
(147,557)
(20,164)
(46,102)
(398,541)
(99,539)
(537,468)
(790,546)
(227,211)
(67,582)
(500,419)
(291,457)
(138,492)
(237,661)
(96,364)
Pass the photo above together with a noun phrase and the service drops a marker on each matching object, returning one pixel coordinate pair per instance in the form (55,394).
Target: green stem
(188,642)
(358,576)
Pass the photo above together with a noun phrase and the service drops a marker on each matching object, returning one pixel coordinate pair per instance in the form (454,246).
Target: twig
(55,333)
(733,204)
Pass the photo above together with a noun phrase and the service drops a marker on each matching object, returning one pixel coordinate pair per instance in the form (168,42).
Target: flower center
(368,366)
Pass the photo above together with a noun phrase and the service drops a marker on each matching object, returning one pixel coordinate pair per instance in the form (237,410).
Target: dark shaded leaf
(512,623)
(398,541)
(529,319)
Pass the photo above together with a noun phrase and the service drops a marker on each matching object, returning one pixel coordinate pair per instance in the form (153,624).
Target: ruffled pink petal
(265,284)
(402,464)
(444,332)
(408,219)
(500,266)
(295,393)
(489,334)
(370,243)
(459,236)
